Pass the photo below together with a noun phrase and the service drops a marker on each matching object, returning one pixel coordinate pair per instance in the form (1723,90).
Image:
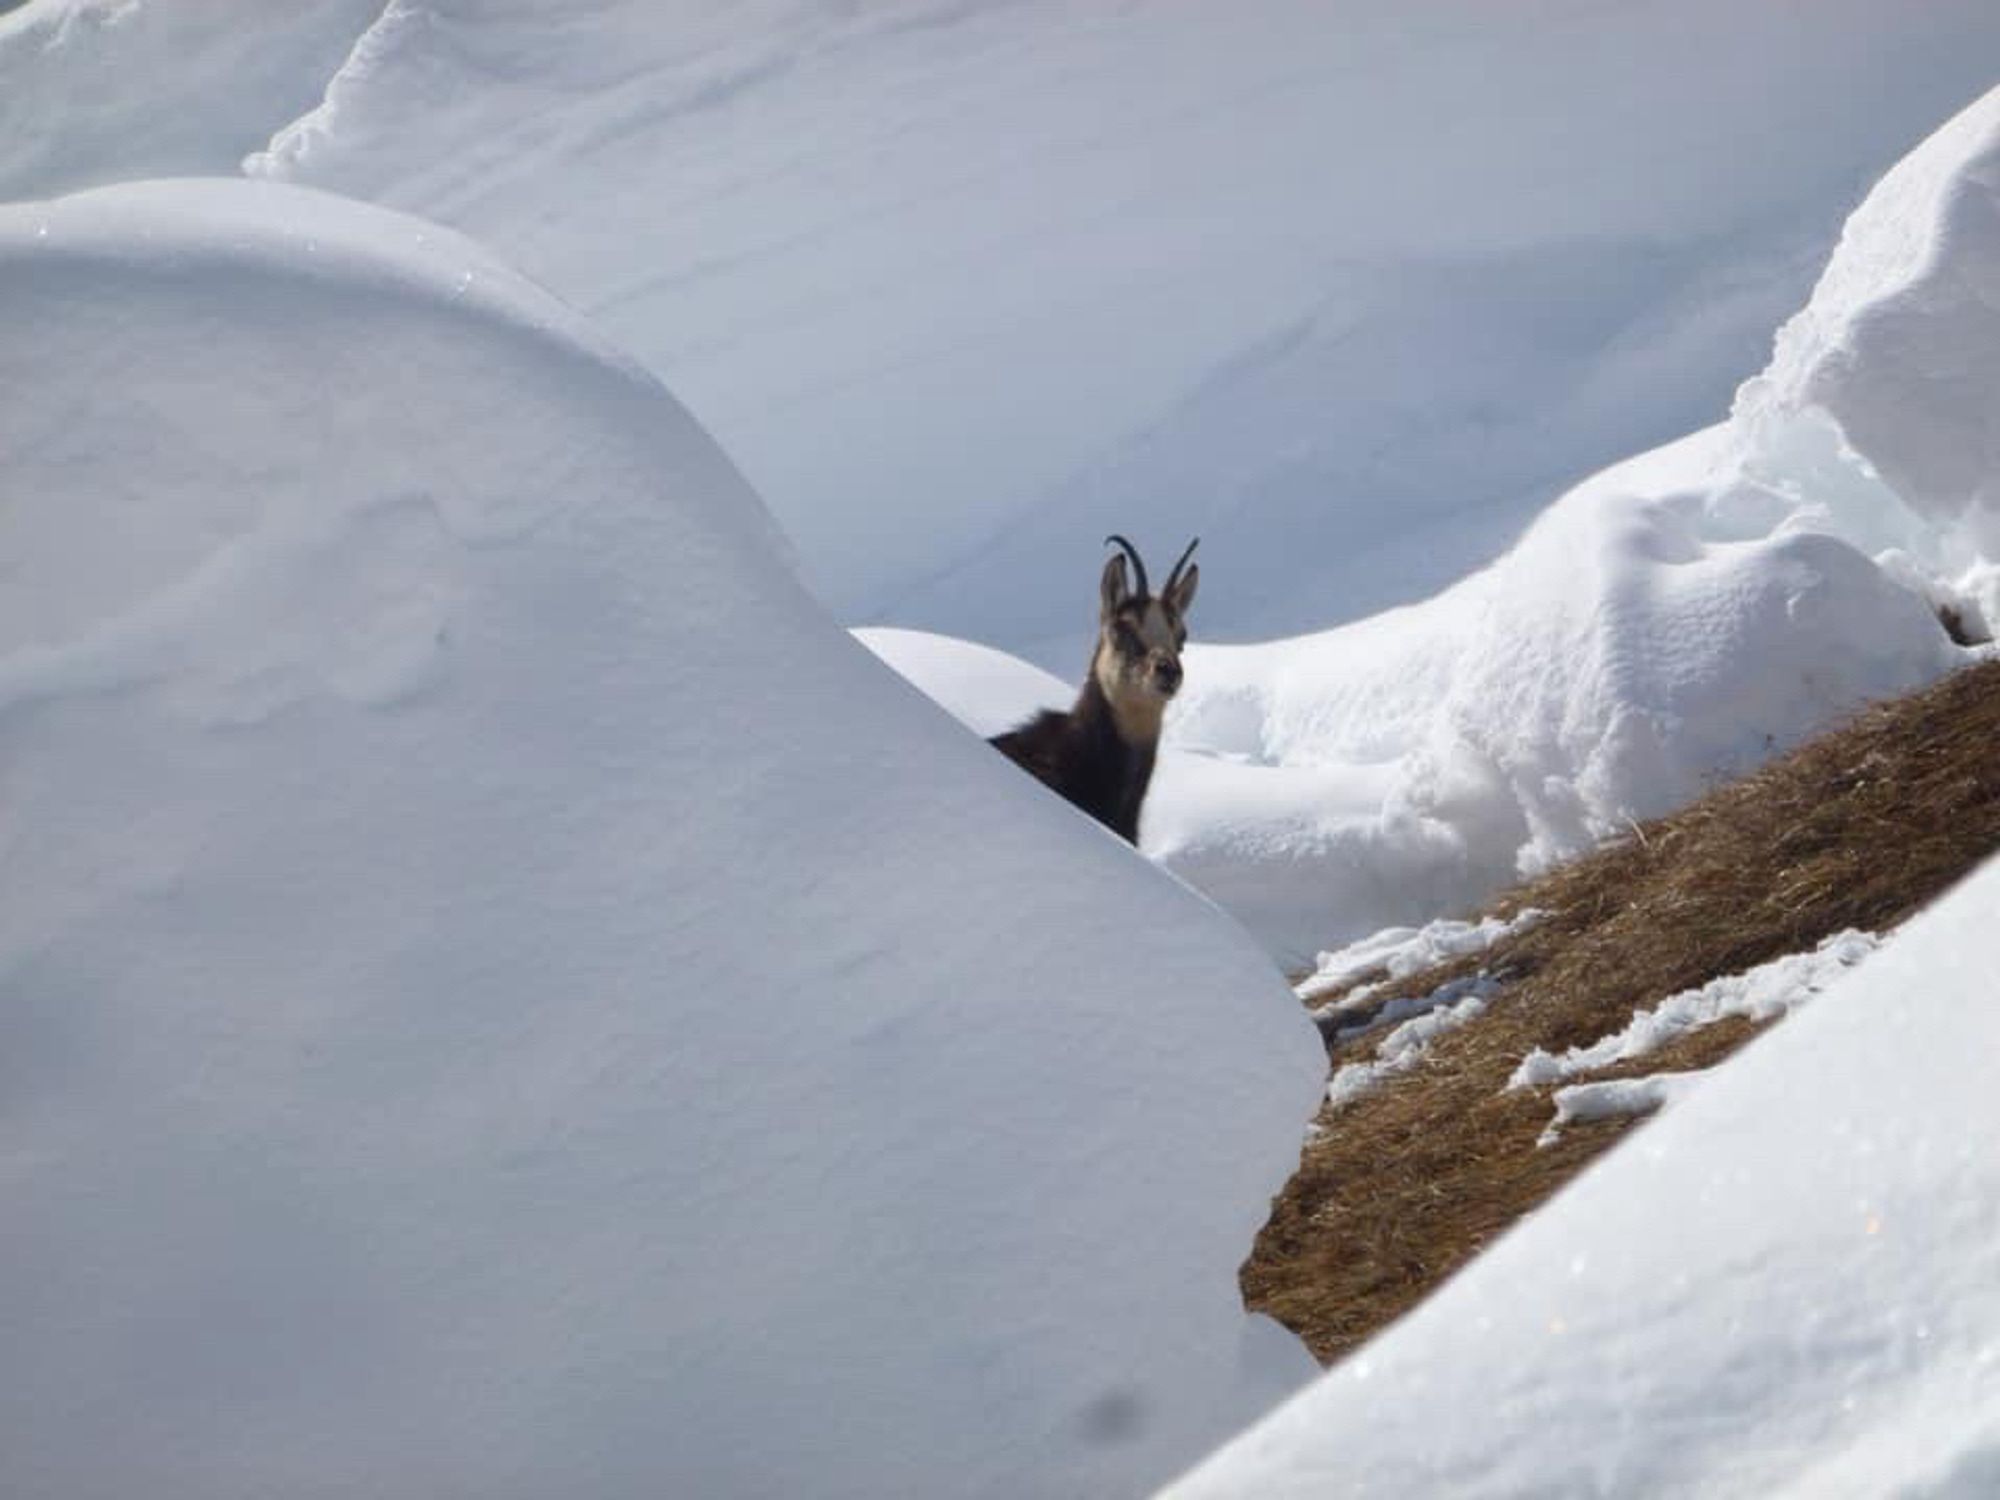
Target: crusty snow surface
(501,995)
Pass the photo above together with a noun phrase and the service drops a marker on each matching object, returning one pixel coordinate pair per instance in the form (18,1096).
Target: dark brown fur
(1100,754)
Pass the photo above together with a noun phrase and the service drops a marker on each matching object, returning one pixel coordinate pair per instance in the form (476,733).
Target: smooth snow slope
(1349,288)
(501,996)
(1787,1286)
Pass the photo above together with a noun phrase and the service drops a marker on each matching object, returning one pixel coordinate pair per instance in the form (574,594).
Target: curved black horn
(1145,589)
(1175,576)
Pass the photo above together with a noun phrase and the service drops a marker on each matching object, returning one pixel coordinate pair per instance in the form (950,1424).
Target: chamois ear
(1114,588)
(1179,592)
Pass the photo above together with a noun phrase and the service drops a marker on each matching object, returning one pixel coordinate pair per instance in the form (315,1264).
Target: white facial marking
(1128,683)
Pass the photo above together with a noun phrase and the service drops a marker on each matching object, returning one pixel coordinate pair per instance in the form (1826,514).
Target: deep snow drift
(501,995)
(1789,1285)
(1350,289)
(1672,621)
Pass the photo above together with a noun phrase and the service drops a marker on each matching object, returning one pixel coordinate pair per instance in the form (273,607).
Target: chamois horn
(1132,552)
(1175,576)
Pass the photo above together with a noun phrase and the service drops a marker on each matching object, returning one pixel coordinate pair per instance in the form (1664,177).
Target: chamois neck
(1135,717)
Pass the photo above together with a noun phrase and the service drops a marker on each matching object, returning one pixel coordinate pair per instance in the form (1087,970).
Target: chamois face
(1139,638)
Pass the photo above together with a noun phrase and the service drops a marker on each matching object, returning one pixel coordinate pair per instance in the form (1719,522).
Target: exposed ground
(1856,829)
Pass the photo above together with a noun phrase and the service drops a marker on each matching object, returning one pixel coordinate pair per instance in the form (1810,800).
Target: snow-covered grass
(1659,955)
(1785,1286)
(1352,974)
(1414,1023)
(1759,994)
(1358,975)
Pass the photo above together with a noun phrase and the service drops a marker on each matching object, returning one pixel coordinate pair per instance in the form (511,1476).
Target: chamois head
(1137,663)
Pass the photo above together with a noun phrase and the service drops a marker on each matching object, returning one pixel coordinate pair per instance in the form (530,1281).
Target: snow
(1639,643)
(1762,993)
(1412,1022)
(986,690)
(430,789)
(1398,952)
(1787,1285)
(502,996)
(1415,1023)
(1671,622)
(1614,1098)
(1880,393)
(1349,291)
(100,91)
(1364,389)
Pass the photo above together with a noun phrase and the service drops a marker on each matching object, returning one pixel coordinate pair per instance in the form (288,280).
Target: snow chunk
(501,995)
(1398,952)
(1615,1098)
(1767,991)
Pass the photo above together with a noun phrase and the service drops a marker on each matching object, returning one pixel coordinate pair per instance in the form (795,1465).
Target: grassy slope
(1857,829)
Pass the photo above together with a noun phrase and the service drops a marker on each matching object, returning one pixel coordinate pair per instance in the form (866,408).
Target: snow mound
(1876,418)
(1624,654)
(1788,1285)
(987,691)
(501,995)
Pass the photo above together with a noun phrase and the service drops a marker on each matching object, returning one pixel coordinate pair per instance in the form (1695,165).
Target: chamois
(1100,754)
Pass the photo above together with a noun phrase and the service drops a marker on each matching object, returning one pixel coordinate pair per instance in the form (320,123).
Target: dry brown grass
(1856,829)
